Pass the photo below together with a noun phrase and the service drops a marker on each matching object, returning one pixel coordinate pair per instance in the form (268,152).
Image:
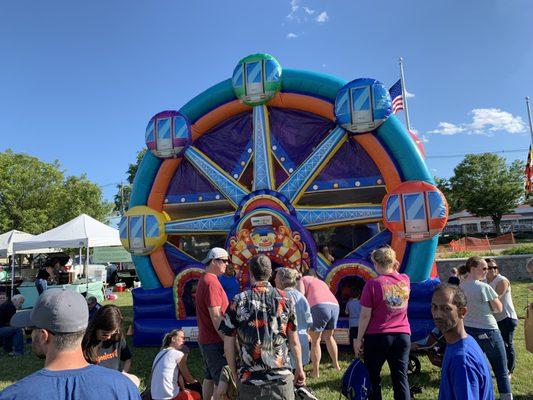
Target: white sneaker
(304,393)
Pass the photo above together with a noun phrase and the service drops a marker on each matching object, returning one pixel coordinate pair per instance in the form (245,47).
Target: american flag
(396,96)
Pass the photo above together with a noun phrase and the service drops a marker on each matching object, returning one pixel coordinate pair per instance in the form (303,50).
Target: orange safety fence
(472,243)
(508,238)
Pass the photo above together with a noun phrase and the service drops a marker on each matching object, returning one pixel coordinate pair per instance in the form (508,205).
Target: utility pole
(121,198)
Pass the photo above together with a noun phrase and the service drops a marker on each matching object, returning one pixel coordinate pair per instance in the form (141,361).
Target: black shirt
(111,354)
(43,274)
(7,310)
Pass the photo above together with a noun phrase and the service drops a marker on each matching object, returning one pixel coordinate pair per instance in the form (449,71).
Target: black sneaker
(304,393)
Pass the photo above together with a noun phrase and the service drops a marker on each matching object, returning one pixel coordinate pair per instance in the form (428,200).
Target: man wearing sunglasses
(211,304)
(58,323)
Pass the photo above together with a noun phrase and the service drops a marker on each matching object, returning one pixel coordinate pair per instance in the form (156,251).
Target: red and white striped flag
(396,96)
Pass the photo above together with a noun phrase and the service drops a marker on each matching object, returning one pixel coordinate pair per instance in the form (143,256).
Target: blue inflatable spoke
(322,267)
(294,187)
(263,167)
(229,187)
(315,217)
(209,225)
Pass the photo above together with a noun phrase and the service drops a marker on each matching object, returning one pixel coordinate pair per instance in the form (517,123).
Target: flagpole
(404,92)
(529,117)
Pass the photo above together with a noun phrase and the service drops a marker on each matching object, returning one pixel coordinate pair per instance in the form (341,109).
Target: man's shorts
(214,360)
(325,317)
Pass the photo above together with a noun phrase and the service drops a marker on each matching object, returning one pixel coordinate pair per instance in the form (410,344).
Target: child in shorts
(353,309)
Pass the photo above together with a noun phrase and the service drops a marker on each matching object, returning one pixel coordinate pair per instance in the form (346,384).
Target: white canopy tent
(9,238)
(82,231)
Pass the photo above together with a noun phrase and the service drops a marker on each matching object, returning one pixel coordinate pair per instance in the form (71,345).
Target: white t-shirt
(479,314)
(164,383)
(506,299)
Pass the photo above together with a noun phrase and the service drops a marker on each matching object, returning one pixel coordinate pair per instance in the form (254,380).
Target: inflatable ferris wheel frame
(267,159)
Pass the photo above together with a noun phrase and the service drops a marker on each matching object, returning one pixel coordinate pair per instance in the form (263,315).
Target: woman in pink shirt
(383,324)
(325,312)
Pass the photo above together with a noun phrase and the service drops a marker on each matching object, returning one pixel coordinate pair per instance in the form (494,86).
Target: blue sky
(80,80)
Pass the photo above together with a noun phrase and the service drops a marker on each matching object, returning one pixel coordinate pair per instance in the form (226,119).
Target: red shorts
(187,395)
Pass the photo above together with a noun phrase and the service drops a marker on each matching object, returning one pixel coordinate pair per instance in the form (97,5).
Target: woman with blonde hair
(287,279)
(383,324)
(168,367)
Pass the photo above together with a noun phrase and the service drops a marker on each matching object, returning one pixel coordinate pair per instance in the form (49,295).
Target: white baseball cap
(216,252)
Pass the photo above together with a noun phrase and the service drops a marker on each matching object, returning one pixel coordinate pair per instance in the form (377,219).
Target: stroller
(433,349)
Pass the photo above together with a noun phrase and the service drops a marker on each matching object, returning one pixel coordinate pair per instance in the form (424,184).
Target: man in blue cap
(58,323)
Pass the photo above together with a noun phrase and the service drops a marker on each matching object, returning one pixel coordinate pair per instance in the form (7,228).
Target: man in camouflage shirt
(262,320)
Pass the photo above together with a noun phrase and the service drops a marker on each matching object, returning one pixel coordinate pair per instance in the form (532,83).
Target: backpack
(356,381)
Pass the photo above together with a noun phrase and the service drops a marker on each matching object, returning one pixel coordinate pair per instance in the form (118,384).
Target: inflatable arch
(278,161)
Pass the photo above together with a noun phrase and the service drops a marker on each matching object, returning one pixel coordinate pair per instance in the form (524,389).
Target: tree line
(36,196)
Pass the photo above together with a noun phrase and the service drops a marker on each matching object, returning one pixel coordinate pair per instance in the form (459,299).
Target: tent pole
(80,255)
(12,274)
(87,273)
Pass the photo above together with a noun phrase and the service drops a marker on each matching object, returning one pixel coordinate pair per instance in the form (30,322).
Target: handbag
(147,393)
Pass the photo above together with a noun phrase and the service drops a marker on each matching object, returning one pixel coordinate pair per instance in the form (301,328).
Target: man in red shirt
(211,304)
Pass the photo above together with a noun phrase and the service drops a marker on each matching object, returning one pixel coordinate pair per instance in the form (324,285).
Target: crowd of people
(255,343)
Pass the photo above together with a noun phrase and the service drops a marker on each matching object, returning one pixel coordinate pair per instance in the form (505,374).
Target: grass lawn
(328,385)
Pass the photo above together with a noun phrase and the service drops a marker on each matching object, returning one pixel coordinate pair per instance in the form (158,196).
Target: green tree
(35,196)
(487,186)
(122,198)
(80,196)
(454,202)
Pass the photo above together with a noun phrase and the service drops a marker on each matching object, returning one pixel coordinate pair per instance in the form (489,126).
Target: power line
(482,152)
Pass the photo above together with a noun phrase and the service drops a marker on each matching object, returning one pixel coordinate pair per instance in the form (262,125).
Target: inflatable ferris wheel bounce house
(279,162)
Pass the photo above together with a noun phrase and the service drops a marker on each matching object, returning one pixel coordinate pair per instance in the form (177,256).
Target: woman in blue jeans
(507,319)
(479,321)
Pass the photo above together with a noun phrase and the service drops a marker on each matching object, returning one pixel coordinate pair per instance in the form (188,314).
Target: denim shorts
(214,360)
(325,317)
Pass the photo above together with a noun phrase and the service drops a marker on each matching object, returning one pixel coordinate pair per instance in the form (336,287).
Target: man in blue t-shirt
(58,322)
(465,372)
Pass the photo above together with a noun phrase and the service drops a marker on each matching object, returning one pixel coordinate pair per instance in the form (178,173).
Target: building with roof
(520,220)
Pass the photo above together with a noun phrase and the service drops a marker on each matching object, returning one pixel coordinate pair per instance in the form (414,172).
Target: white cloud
(485,121)
(424,139)
(322,17)
(292,35)
(294,9)
(302,14)
(409,95)
(493,120)
(446,128)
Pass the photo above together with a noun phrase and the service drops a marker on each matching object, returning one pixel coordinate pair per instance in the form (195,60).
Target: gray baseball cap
(57,311)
